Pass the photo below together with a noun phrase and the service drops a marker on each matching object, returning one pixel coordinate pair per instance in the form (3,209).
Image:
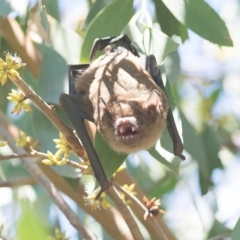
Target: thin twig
(14,156)
(126,213)
(52,116)
(49,187)
(40,155)
(17,182)
(124,177)
(136,201)
(11,30)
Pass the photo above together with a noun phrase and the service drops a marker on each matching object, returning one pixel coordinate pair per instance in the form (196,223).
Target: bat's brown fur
(129,109)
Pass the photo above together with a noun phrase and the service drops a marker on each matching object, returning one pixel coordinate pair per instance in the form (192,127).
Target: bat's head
(134,125)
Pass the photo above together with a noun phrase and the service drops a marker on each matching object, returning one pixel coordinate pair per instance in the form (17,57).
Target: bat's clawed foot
(103,188)
(178,148)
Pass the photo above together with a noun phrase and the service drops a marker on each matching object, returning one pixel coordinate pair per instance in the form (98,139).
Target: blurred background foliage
(199,43)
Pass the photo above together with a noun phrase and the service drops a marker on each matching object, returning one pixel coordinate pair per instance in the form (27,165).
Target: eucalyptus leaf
(110,21)
(168,22)
(236,231)
(5,8)
(173,164)
(43,15)
(53,75)
(44,131)
(217,230)
(149,39)
(198,16)
(52,9)
(110,159)
(95,8)
(29,220)
(193,144)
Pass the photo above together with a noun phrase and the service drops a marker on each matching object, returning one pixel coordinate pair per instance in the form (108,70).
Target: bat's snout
(126,130)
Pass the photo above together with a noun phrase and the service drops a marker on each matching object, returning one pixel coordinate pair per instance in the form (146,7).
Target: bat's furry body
(129,108)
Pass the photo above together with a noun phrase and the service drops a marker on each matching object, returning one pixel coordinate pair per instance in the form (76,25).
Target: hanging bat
(127,102)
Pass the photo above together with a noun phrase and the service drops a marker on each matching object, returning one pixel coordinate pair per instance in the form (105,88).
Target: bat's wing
(153,69)
(77,111)
(122,40)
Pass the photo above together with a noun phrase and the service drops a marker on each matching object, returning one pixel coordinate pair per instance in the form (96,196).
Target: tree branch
(125,211)
(17,182)
(37,173)
(124,177)
(52,116)
(12,32)
(118,228)
(138,203)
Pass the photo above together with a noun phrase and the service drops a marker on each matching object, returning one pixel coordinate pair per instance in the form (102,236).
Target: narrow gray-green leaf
(236,231)
(200,18)
(149,39)
(5,8)
(43,15)
(194,145)
(110,159)
(110,21)
(169,24)
(52,9)
(95,8)
(53,75)
(212,147)
(173,165)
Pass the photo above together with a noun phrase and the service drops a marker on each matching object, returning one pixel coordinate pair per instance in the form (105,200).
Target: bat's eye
(108,114)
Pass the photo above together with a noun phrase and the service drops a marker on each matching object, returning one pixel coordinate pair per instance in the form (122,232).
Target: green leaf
(167,184)
(212,147)
(236,231)
(172,66)
(110,159)
(194,145)
(53,75)
(110,21)
(43,15)
(148,39)
(5,8)
(161,45)
(169,24)
(172,164)
(29,227)
(52,9)
(218,229)
(65,42)
(95,8)
(65,49)
(200,18)
(44,131)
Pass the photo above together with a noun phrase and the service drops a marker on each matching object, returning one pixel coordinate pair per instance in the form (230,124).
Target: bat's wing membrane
(77,111)
(153,69)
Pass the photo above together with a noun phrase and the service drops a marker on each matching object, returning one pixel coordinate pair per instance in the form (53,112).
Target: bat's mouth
(126,130)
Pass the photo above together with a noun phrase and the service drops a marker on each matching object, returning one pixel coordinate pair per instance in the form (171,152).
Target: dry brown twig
(143,208)
(52,116)
(125,211)
(37,173)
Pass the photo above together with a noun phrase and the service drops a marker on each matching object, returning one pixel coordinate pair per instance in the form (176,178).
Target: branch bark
(13,34)
(49,187)
(118,228)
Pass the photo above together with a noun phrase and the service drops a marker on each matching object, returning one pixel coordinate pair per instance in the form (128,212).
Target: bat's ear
(152,103)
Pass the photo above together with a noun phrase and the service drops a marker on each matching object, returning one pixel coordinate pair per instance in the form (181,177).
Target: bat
(127,102)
